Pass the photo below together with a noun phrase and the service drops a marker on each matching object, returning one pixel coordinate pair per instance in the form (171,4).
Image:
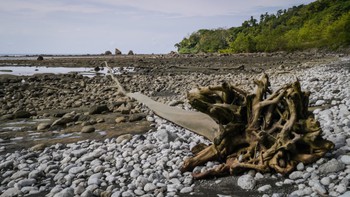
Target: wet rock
(100,120)
(120,119)
(87,129)
(22,114)
(125,108)
(98,109)
(42,126)
(136,117)
(7,117)
(62,121)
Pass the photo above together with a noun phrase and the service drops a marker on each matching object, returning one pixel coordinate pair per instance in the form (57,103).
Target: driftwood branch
(265,130)
(121,90)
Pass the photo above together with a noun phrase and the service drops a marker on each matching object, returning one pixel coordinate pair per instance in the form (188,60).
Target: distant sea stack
(131,52)
(117,52)
(108,53)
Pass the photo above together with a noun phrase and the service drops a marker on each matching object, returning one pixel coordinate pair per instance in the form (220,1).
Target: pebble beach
(148,163)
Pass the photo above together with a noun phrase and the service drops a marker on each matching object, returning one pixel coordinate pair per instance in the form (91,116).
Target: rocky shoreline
(100,157)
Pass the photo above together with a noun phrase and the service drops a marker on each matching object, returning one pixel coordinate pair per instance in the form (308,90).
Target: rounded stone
(88,129)
(331,166)
(325,181)
(264,188)
(121,138)
(42,126)
(149,187)
(186,190)
(120,119)
(345,159)
(246,182)
(296,174)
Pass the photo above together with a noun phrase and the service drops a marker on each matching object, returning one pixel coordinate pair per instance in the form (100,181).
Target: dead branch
(266,131)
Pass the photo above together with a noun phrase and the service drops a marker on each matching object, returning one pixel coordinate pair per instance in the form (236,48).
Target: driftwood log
(264,130)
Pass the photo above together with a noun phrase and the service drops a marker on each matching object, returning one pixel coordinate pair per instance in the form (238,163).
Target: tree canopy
(321,24)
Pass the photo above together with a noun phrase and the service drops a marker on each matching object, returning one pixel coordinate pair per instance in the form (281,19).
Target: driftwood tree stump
(265,130)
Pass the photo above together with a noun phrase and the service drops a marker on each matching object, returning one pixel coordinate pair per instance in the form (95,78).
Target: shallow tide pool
(31,70)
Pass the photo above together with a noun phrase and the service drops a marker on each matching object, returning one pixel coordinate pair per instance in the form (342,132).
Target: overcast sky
(94,26)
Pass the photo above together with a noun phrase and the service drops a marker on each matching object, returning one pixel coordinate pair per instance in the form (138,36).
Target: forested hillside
(321,24)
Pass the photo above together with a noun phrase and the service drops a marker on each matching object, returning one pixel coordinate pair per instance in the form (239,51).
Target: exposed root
(266,131)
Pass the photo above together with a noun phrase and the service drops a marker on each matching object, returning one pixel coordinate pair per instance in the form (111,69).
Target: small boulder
(121,138)
(21,114)
(124,108)
(108,53)
(42,126)
(11,192)
(165,136)
(97,69)
(136,117)
(120,119)
(40,58)
(62,121)
(38,147)
(7,117)
(331,166)
(88,129)
(98,109)
(246,182)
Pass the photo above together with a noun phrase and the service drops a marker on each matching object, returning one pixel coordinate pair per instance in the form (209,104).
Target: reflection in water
(31,70)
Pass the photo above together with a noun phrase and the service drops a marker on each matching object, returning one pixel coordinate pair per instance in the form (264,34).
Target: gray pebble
(246,182)
(149,187)
(264,188)
(186,190)
(318,188)
(331,166)
(296,175)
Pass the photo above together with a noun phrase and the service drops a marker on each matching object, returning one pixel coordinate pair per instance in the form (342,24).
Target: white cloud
(42,6)
(189,8)
(146,26)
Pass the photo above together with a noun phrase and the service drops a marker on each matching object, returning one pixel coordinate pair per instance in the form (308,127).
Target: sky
(95,26)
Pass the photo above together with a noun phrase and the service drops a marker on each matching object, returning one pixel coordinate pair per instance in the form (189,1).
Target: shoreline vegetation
(323,24)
